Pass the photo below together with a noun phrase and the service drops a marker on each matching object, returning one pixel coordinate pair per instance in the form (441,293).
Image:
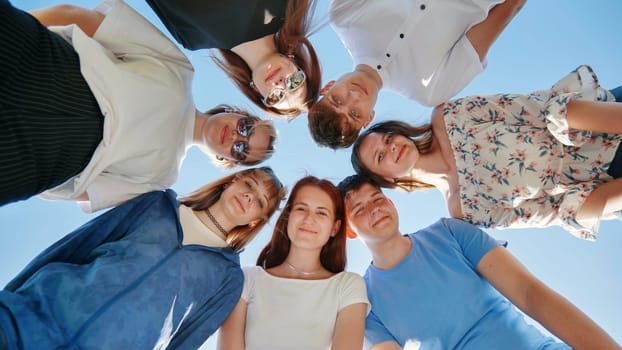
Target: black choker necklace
(213,219)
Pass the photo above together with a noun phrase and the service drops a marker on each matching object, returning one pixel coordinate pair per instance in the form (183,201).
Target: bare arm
(603,201)
(485,33)
(87,20)
(541,303)
(350,327)
(595,116)
(231,333)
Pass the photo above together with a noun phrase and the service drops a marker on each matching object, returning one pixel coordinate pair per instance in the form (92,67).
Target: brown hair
(333,254)
(209,194)
(421,136)
(290,40)
(330,128)
(261,124)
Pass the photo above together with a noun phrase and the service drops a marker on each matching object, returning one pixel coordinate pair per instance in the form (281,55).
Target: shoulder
(250,272)
(347,278)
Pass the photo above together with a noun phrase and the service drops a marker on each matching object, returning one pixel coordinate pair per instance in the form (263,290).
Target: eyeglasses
(244,128)
(292,83)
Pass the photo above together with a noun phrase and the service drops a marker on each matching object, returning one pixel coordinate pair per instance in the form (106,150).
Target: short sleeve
(458,68)
(106,191)
(125,31)
(474,242)
(250,273)
(352,291)
(580,84)
(375,331)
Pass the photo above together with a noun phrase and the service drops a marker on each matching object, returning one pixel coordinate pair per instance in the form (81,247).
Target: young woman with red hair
(298,295)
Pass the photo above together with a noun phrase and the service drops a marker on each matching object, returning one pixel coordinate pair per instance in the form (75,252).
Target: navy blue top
(219,24)
(123,281)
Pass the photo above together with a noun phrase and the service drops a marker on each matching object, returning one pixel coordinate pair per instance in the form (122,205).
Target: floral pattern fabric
(519,165)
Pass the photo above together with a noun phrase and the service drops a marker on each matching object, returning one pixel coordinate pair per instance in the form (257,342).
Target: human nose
(279,82)
(249,197)
(235,136)
(308,218)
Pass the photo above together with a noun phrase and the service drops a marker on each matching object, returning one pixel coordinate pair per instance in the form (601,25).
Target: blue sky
(545,41)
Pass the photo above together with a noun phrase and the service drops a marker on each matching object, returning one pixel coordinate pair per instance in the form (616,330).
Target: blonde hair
(260,124)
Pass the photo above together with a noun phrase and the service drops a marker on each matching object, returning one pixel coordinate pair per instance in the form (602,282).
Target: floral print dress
(518,163)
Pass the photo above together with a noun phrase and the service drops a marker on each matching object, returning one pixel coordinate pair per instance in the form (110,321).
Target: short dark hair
(354,183)
(330,128)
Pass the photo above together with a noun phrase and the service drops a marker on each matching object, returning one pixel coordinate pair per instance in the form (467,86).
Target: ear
(254,223)
(336,227)
(350,233)
(253,86)
(370,118)
(327,87)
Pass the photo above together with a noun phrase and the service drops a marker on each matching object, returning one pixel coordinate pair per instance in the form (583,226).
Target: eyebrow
(307,205)
(265,194)
(254,180)
(356,206)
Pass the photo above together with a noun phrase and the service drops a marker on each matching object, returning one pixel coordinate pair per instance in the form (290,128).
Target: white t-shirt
(195,232)
(142,83)
(418,47)
(287,314)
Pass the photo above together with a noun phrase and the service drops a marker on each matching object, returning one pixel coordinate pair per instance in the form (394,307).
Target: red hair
(333,255)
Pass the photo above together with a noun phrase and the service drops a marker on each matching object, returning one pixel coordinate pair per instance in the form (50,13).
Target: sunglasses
(292,83)
(244,128)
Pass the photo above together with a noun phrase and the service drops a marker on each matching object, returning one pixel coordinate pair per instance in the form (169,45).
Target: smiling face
(312,219)
(354,95)
(234,137)
(247,199)
(388,155)
(273,73)
(371,215)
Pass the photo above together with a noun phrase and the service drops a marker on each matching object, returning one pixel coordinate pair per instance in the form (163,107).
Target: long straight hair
(420,135)
(206,196)
(333,254)
(290,40)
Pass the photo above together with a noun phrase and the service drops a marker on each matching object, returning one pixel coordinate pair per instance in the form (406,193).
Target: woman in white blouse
(299,296)
(102,111)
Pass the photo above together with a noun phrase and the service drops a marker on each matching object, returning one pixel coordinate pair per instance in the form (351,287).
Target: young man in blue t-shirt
(450,285)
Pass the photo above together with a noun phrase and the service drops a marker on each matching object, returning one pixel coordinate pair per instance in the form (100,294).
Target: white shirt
(196,232)
(286,314)
(142,83)
(418,47)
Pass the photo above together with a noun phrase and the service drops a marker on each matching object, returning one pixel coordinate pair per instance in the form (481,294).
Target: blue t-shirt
(436,297)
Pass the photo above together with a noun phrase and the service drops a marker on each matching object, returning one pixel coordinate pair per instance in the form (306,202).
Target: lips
(361,87)
(272,74)
(377,222)
(307,231)
(237,201)
(223,134)
(400,153)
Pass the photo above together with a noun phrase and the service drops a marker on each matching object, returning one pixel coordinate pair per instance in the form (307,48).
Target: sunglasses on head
(244,128)
(292,83)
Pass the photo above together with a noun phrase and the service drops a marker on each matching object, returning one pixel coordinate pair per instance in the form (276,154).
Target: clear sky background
(545,41)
